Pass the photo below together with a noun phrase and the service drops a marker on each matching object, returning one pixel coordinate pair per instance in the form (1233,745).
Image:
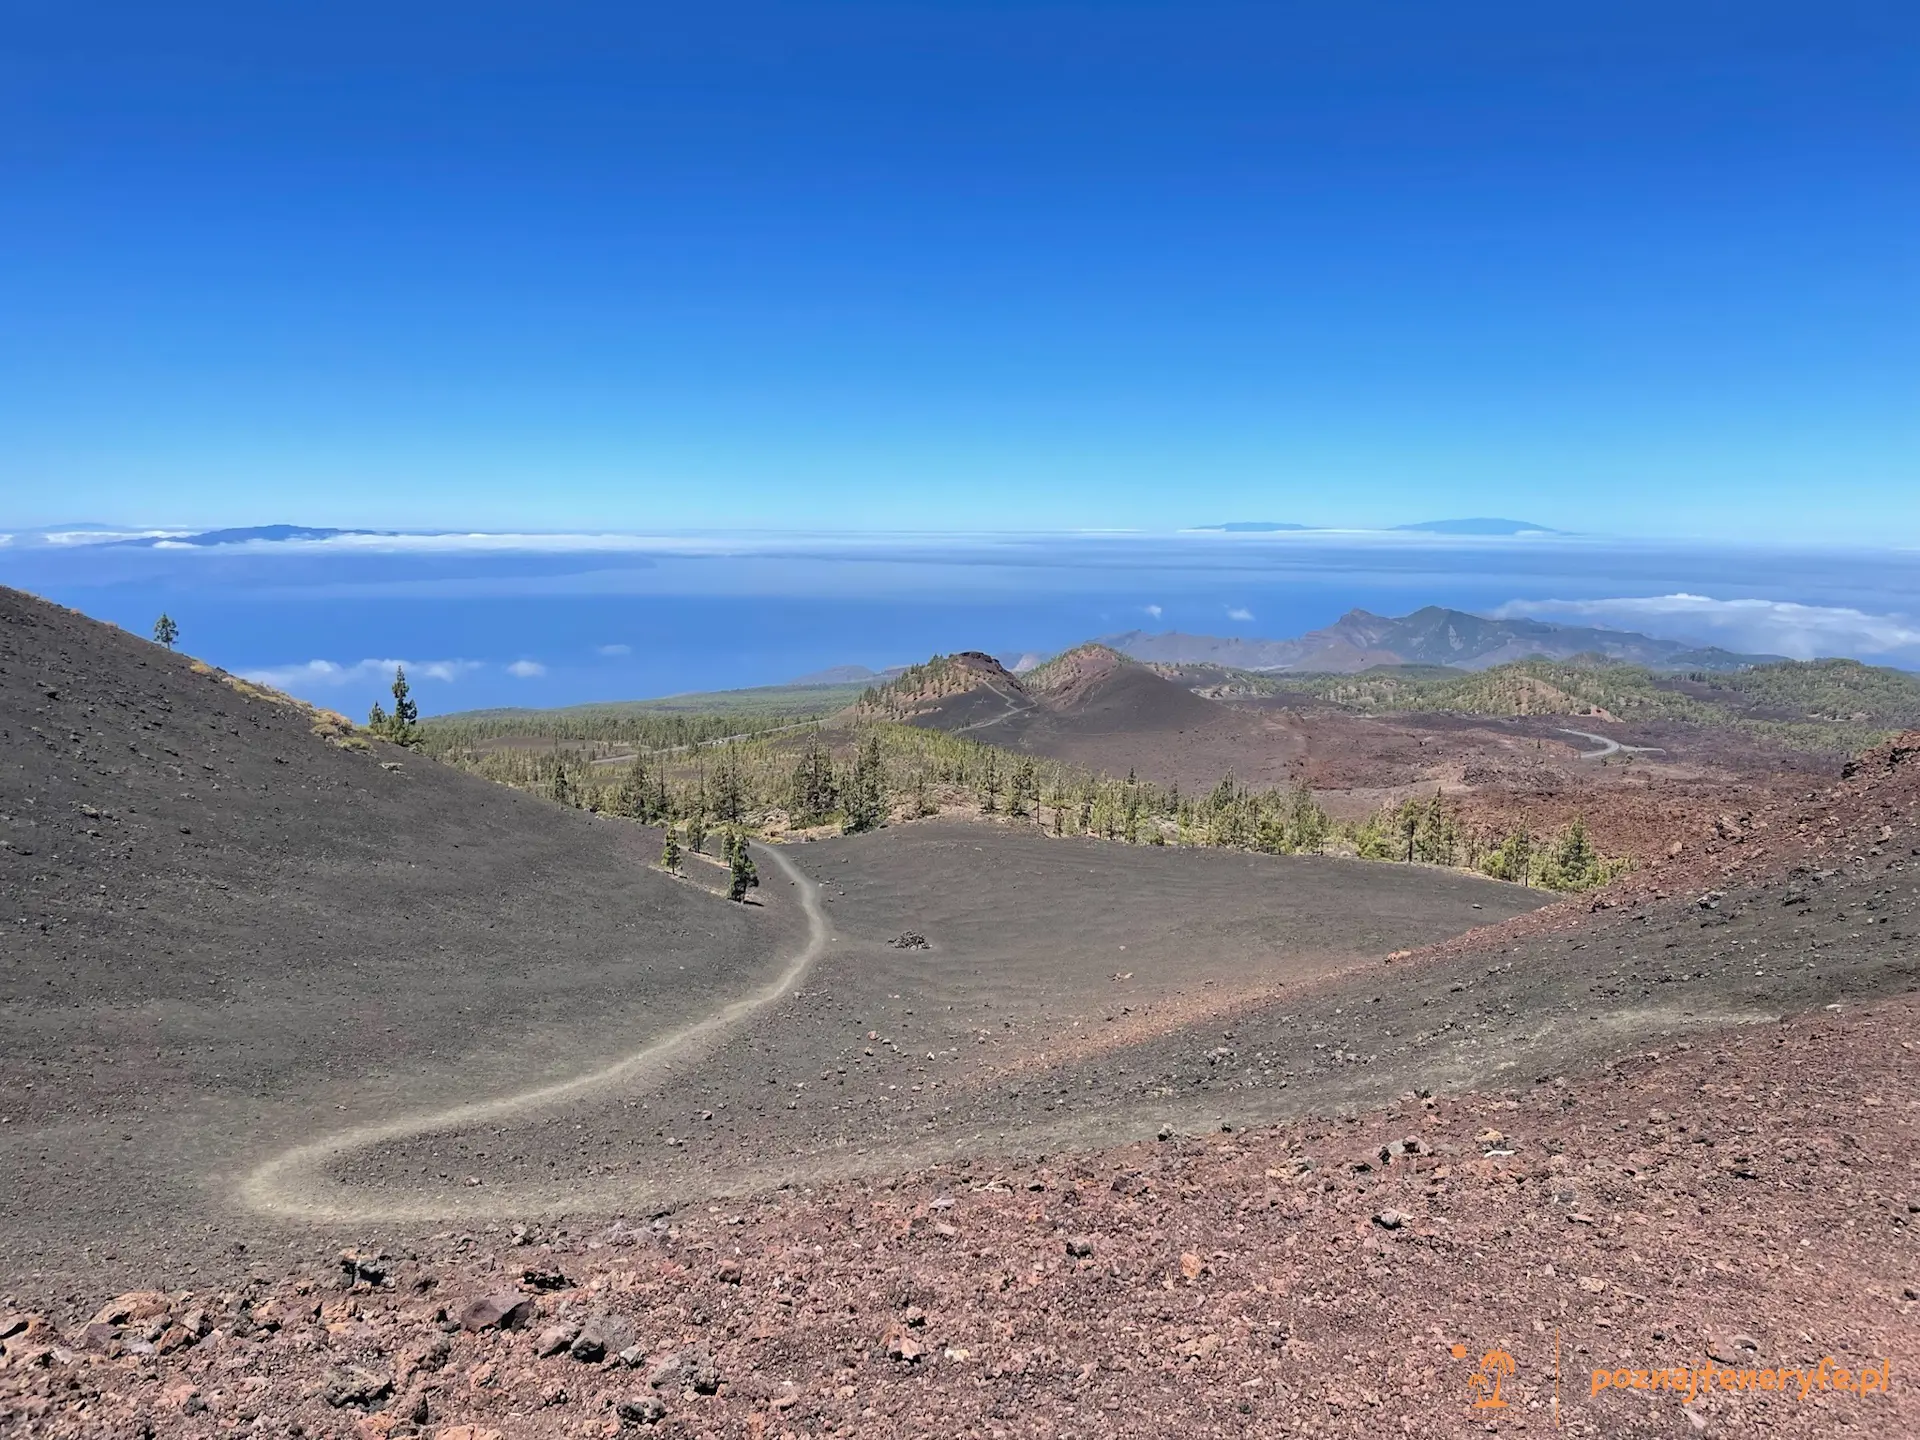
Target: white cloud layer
(615,650)
(1778,627)
(1240,612)
(331,674)
(1153,610)
(527,669)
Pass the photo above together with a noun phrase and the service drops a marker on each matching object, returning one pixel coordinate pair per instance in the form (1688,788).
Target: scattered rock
(1080,1246)
(354,1386)
(363,1269)
(601,1336)
(504,1310)
(1391,1219)
(901,1344)
(554,1339)
(642,1410)
(134,1306)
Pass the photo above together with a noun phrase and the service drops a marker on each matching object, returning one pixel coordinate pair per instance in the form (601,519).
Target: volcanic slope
(223,928)
(1094,707)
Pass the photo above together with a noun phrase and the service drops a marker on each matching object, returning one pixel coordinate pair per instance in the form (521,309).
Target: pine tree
(727,796)
(402,727)
(811,794)
(697,830)
(558,790)
(741,876)
(1024,790)
(165,631)
(670,854)
(1573,864)
(630,800)
(1436,838)
(1512,859)
(1307,823)
(866,793)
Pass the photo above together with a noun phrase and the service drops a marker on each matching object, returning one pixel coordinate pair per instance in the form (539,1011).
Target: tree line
(858,780)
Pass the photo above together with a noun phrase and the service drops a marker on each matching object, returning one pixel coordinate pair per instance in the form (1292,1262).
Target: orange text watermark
(1694,1380)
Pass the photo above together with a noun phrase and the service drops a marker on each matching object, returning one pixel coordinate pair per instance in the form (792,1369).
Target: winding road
(294,1183)
(1609,747)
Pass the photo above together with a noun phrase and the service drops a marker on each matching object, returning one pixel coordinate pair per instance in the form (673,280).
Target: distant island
(1477,525)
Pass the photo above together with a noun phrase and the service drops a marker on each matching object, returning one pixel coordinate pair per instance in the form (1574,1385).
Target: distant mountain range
(1360,640)
(848,675)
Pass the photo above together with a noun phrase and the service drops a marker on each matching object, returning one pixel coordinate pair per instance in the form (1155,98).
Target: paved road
(1609,747)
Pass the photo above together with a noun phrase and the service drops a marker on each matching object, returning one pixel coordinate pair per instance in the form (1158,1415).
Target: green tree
(697,830)
(670,854)
(165,631)
(558,790)
(630,799)
(866,792)
(1512,858)
(1436,839)
(1308,824)
(1024,790)
(742,876)
(990,788)
(728,797)
(812,794)
(864,799)
(1572,863)
(402,727)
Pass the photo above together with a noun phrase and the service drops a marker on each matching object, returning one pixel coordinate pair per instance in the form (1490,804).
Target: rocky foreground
(1715,1239)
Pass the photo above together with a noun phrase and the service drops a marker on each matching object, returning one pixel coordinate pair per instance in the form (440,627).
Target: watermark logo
(1487,1387)
(1800,1382)
(1495,1367)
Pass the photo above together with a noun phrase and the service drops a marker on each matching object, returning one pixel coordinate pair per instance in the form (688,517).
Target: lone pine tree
(402,727)
(742,875)
(165,632)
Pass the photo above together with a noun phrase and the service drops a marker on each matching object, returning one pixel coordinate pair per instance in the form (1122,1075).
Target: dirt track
(293,1183)
(224,934)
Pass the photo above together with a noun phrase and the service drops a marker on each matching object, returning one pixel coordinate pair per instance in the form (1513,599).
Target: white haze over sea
(491,619)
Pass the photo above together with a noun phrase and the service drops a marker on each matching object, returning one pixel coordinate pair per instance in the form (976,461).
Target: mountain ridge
(1432,635)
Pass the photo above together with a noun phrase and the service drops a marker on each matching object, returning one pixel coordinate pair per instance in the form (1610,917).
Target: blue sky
(1638,268)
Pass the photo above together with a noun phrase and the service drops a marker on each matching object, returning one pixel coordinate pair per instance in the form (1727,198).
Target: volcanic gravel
(220,931)
(1743,1205)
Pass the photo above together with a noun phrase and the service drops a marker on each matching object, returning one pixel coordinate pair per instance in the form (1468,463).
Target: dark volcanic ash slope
(212,918)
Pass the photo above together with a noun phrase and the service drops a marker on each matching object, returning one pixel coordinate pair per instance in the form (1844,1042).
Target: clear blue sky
(1639,267)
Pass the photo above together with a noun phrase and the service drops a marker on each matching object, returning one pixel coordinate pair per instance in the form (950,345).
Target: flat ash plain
(965,964)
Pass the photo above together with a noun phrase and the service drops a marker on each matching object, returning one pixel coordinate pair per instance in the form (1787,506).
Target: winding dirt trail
(294,1184)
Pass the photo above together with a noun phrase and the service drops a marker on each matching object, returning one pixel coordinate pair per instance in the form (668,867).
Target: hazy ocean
(549,620)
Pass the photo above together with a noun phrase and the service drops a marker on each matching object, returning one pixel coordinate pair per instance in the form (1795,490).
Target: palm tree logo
(1495,1366)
